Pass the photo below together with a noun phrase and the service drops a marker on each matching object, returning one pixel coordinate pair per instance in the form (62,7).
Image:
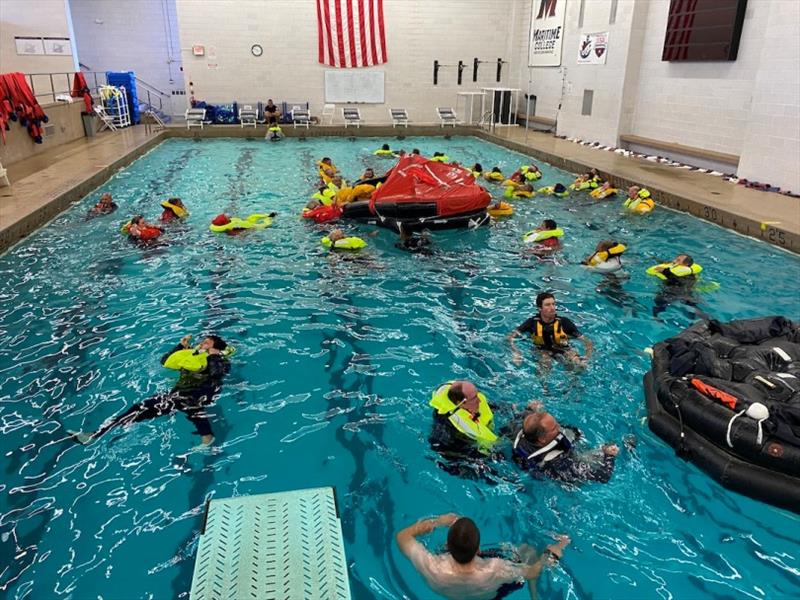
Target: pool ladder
(487,120)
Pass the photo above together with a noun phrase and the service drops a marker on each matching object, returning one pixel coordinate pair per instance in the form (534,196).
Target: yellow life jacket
(326,196)
(493,176)
(126,228)
(479,430)
(348,243)
(584,185)
(502,209)
(513,193)
(641,204)
(109,91)
(530,175)
(350,194)
(477,174)
(443,158)
(603,255)
(256,221)
(603,193)
(192,360)
(559,337)
(179,211)
(540,236)
(382,152)
(677,270)
(551,191)
(323,175)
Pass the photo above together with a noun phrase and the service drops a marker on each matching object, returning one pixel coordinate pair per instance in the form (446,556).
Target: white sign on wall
(29,45)
(57,46)
(547,33)
(593,49)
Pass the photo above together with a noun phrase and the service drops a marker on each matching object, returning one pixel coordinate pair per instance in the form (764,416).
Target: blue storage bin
(127,79)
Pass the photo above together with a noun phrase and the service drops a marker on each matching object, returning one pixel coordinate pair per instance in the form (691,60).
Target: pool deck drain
(281,546)
(47,184)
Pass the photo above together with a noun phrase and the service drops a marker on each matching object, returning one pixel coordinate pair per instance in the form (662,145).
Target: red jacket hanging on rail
(79,88)
(17,102)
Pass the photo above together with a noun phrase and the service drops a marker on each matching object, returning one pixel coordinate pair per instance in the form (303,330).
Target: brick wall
(418,31)
(41,18)
(771,137)
(139,36)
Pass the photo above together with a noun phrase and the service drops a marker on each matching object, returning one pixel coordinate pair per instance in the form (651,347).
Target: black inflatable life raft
(726,396)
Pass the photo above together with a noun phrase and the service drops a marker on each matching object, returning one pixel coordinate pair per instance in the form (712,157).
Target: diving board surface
(281,546)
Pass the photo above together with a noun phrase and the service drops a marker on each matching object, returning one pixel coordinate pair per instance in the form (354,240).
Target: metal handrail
(147,88)
(68,77)
(151,86)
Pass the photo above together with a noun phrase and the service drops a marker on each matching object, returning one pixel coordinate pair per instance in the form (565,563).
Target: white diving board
(281,546)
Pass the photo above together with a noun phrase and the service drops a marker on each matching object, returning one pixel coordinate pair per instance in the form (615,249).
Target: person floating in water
(678,278)
(544,448)
(419,244)
(274,133)
(551,334)
(201,373)
(463,428)
(466,573)
(174,210)
(545,239)
(106,206)
(142,232)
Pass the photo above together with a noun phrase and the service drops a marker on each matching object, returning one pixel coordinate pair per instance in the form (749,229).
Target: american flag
(351,33)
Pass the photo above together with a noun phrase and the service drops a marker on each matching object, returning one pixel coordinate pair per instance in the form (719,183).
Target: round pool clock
(256,50)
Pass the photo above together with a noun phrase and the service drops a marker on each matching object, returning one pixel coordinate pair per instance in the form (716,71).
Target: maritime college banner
(547,33)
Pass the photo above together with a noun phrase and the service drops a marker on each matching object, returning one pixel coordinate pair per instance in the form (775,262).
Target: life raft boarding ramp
(281,546)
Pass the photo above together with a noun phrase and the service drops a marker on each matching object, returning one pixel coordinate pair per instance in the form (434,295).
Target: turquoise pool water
(335,364)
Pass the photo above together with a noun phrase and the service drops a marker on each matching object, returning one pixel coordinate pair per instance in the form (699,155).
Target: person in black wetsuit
(419,244)
(193,392)
(544,448)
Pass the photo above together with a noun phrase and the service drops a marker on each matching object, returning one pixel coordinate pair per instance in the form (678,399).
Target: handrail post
(52,88)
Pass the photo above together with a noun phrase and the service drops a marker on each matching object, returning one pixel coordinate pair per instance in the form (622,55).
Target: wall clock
(256,50)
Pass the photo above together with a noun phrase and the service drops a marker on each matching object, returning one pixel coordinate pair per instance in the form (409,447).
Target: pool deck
(45,185)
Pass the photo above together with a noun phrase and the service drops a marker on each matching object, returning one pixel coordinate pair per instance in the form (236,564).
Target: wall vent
(49,130)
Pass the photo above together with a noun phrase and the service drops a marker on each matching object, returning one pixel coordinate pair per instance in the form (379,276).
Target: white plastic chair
(301,117)
(447,116)
(328,110)
(352,116)
(248,116)
(399,117)
(195,117)
(106,120)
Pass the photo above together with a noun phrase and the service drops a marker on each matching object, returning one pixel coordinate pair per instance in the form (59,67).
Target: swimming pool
(335,364)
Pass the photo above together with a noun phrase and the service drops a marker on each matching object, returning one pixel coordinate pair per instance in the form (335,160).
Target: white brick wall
(46,18)
(418,31)
(139,36)
(771,140)
(608,81)
(702,104)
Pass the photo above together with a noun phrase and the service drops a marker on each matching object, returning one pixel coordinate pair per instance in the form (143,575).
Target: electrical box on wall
(198,50)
